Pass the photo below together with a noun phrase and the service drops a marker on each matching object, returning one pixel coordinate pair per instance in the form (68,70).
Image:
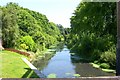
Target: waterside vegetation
(92,37)
(93,33)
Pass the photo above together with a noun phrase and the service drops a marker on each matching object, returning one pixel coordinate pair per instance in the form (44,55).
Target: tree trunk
(118,41)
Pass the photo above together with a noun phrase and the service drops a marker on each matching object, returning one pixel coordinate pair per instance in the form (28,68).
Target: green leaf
(76,75)
(51,75)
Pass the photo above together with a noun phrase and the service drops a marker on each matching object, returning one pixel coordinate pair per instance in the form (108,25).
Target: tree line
(27,29)
(93,32)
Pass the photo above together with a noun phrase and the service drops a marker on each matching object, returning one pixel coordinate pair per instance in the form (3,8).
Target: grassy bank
(12,66)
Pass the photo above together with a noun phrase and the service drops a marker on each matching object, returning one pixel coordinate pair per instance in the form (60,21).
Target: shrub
(109,56)
(23,46)
(105,65)
(52,75)
(95,62)
(28,41)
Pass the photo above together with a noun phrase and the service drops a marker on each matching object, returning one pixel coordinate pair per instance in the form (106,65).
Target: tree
(118,41)
(19,22)
(10,30)
(93,24)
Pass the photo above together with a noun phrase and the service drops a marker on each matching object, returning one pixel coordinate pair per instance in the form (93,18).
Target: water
(63,66)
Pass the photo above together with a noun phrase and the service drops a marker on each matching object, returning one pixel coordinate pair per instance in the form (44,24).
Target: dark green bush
(109,56)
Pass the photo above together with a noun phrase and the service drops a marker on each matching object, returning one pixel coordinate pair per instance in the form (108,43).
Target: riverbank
(40,58)
(76,58)
(62,64)
(47,63)
(12,66)
(105,70)
(42,54)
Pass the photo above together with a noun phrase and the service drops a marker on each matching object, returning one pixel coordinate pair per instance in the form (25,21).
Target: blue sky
(57,11)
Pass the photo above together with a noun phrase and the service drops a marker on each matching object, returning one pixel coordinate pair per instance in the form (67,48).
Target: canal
(64,65)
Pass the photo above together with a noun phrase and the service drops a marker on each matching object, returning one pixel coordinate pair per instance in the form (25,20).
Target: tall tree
(9,26)
(94,24)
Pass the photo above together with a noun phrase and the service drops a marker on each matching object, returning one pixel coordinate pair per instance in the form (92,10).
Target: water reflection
(60,47)
(65,66)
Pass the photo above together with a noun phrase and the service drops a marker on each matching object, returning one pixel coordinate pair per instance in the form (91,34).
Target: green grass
(12,66)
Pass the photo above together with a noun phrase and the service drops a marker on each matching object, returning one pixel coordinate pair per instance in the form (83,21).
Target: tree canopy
(19,25)
(93,31)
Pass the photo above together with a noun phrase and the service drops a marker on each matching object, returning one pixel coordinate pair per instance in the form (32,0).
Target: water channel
(63,65)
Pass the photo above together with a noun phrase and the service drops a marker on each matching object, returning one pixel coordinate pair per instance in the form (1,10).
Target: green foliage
(23,27)
(26,22)
(109,56)
(27,41)
(51,75)
(76,75)
(23,46)
(93,31)
(10,31)
(64,32)
(88,44)
(105,65)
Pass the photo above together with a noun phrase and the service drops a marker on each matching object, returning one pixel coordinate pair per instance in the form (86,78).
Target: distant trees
(63,31)
(93,31)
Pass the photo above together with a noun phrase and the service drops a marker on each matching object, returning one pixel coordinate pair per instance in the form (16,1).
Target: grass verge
(12,66)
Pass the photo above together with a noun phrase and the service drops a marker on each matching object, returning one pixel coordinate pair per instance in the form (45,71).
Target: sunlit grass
(13,66)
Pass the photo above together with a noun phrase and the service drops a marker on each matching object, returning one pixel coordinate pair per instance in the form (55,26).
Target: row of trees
(26,29)
(93,32)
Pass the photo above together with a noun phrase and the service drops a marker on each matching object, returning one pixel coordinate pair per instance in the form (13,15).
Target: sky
(57,11)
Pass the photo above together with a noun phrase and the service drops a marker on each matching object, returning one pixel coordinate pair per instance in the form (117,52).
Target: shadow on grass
(30,74)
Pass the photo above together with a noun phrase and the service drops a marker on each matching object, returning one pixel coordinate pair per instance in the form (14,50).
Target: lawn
(12,66)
